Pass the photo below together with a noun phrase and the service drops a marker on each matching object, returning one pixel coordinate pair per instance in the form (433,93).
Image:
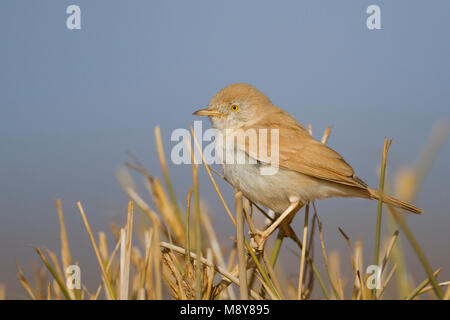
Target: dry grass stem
(168,254)
(302,260)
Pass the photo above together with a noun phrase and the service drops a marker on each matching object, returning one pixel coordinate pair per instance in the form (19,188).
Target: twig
(302,260)
(204,261)
(97,253)
(422,285)
(387,144)
(242,260)
(401,222)
(387,281)
(162,160)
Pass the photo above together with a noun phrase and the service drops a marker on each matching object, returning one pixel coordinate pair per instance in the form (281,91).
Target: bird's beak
(208,112)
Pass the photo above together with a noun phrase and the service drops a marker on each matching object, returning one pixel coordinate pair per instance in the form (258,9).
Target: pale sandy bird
(307,168)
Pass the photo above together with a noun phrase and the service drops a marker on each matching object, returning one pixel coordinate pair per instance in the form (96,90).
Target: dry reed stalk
(209,259)
(230,215)
(389,250)
(359,269)
(408,181)
(352,260)
(147,265)
(407,184)
(380,294)
(156,254)
(215,247)
(267,288)
(409,235)
(250,250)
(49,291)
(272,275)
(387,144)
(167,210)
(187,260)
(174,278)
(162,161)
(40,278)
(125,180)
(422,285)
(2,291)
(136,259)
(141,284)
(103,246)
(447,294)
(267,263)
(58,279)
(25,284)
(57,291)
(430,288)
(56,266)
(197,221)
(231,259)
(127,184)
(326,135)
(65,249)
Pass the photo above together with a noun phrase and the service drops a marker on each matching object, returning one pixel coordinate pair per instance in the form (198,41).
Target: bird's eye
(234,107)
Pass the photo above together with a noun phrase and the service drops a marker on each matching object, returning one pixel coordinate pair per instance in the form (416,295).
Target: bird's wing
(300,152)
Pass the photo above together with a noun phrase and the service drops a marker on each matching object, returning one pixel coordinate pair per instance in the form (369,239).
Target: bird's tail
(395,202)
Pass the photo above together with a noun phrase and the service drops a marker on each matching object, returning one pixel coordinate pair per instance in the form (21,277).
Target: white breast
(272,191)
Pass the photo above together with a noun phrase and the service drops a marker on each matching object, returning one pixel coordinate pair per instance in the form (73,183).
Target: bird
(306,169)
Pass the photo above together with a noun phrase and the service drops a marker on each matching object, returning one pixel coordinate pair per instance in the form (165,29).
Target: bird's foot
(258,240)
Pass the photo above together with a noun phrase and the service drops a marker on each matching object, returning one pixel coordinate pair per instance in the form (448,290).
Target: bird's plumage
(300,152)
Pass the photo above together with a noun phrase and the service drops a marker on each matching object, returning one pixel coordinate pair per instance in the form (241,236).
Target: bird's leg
(285,226)
(261,237)
(281,218)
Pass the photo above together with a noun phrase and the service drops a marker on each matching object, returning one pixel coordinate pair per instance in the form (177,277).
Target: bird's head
(234,106)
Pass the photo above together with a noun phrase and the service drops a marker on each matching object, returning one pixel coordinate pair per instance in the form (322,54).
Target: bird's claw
(258,240)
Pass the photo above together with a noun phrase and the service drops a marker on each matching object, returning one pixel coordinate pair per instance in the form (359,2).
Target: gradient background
(74,101)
